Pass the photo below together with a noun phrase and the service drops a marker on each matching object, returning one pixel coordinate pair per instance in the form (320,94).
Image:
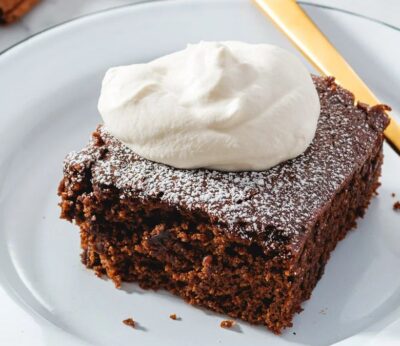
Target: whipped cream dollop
(228,106)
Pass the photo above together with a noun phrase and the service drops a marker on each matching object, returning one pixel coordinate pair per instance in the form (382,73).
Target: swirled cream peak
(228,106)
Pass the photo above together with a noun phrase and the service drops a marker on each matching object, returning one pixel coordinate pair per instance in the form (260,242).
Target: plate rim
(156,2)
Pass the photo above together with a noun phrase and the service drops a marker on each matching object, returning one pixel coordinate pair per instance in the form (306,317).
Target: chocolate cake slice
(251,245)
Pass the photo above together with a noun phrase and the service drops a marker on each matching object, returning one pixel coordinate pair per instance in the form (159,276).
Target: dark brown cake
(251,245)
(12,10)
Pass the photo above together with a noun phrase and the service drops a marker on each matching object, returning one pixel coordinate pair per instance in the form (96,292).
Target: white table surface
(52,12)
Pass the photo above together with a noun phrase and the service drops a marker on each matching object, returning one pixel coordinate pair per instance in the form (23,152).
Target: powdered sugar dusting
(278,203)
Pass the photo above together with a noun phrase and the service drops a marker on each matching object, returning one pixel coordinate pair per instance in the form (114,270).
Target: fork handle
(288,16)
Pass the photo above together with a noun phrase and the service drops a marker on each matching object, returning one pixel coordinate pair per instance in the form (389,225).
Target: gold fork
(311,42)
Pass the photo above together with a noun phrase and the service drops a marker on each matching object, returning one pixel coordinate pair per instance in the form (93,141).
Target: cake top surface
(274,205)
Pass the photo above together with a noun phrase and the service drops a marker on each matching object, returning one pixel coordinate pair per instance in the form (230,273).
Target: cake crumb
(174,317)
(129,322)
(97,140)
(393,194)
(294,333)
(227,324)
(396,206)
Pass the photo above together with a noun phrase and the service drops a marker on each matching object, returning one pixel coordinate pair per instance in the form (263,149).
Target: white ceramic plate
(49,86)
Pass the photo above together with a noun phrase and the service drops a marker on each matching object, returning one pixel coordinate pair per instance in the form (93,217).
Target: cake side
(159,247)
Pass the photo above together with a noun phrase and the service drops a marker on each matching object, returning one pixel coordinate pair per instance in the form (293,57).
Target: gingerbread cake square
(251,245)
